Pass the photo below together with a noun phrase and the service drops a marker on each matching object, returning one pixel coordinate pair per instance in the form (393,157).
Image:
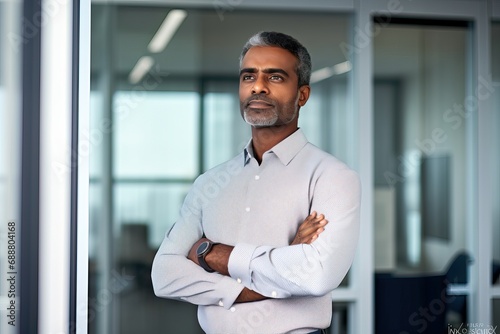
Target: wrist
(218,258)
(202,252)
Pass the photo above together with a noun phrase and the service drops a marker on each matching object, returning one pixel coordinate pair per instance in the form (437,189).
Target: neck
(265,138)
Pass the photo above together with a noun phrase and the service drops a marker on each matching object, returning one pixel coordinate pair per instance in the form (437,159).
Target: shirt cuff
(239,263)
(230,290)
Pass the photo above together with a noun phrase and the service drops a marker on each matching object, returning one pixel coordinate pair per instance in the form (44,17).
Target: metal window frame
(30,177)
(477,133)
(56,300)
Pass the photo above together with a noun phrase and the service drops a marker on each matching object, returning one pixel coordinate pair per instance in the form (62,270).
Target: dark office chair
(419,304)
(412,304)
(457,273)
(495,272)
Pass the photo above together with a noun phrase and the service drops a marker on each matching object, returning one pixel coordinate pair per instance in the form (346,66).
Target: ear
(304,92)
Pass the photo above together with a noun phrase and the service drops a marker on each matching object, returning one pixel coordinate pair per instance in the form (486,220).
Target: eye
(276,77)
(246,77)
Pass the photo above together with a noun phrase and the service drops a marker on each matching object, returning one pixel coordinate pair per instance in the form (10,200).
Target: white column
(55,165)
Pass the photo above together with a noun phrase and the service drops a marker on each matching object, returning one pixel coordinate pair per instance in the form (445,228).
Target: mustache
(258,97)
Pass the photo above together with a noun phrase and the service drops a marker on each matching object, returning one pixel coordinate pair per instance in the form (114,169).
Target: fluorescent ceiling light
(328,72)
(140,69)
(167,29)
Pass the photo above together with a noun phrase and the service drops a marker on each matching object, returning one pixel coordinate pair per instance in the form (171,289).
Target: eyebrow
(266,70)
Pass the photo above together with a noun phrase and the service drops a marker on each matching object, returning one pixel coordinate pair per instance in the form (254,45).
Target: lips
(257,104)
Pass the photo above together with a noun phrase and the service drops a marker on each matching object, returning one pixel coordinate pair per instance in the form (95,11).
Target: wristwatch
(203,249)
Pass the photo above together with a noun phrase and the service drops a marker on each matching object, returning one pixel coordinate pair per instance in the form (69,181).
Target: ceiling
(208,42)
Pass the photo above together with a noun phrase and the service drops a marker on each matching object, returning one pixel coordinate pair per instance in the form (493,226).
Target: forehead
(261,57)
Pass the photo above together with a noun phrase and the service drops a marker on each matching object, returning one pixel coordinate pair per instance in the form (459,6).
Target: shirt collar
(285,150)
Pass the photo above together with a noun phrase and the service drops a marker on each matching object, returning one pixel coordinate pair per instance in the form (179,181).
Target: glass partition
(155,132)
(420,168)
(495,57)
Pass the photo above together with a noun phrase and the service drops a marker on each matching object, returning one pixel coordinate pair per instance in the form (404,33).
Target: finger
(307,234)
(307,230)
(310,226)
(322,222)
(314,236)
(316,219)
(310,218)
(319,217)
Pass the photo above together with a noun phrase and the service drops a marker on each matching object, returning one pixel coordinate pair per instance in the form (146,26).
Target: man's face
(269,92)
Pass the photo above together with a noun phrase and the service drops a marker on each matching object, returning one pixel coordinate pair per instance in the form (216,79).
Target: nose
(260,86)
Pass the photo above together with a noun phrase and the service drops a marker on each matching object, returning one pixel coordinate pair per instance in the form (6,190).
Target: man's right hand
(310,229)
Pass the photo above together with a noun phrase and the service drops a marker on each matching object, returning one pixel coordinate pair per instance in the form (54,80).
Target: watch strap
(201,257)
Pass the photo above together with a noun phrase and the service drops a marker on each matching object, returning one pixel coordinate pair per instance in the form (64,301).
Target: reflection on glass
(420,169)
(180,119)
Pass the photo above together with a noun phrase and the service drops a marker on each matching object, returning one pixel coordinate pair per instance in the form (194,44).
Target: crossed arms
(218,257)
(245,272)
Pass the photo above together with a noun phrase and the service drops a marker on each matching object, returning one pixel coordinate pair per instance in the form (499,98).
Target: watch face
(202,248)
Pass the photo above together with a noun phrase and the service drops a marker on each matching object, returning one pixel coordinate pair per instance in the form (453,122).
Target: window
(154,136)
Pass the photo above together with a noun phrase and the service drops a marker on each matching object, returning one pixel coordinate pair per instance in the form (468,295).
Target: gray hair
(265,38)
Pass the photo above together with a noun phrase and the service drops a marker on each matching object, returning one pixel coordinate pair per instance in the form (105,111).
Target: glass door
(420,171)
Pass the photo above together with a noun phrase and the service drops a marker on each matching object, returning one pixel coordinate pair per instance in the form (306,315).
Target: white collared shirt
(257,209)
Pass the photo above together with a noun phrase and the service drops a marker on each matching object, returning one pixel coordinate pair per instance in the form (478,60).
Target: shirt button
(232,309)
(221,303)
(274,294)
(238,280)
(257,177)
(247,209)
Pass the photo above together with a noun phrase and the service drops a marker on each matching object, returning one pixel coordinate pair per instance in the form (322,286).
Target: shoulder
(230,167)
(324,159)
(330,167)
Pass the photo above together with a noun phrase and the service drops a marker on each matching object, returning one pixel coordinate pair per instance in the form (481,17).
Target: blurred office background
(407,93)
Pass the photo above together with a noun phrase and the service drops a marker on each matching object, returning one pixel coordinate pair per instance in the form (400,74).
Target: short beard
(261,123)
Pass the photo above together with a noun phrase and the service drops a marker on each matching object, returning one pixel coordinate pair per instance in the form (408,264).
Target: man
(249,248)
